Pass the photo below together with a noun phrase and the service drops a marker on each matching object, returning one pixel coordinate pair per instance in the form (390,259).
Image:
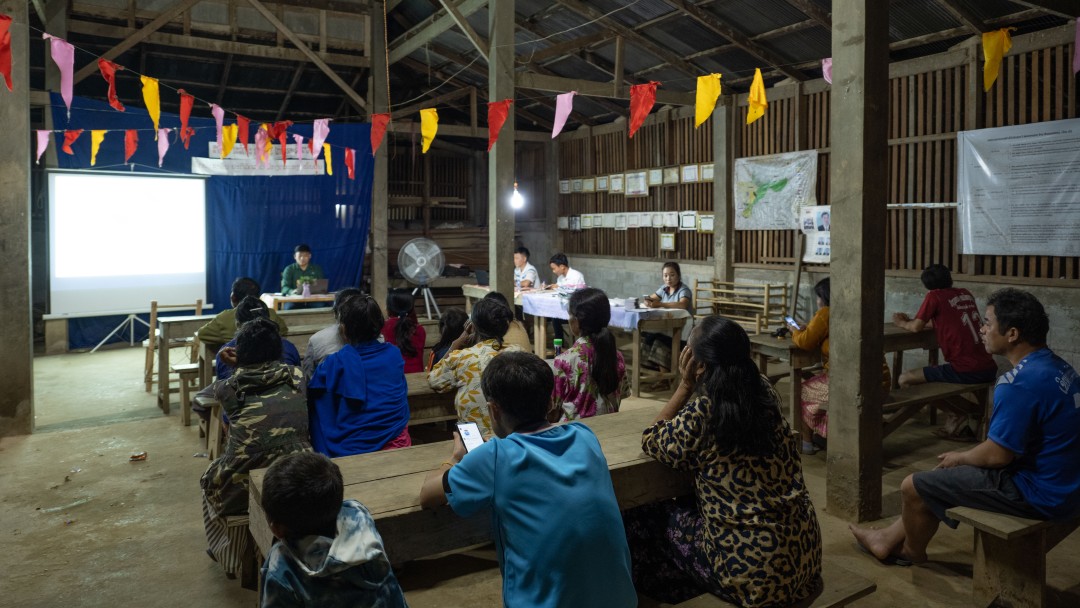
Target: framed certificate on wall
(667,241)
(637,184)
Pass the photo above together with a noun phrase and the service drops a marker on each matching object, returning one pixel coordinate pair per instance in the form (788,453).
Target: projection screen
(119,240)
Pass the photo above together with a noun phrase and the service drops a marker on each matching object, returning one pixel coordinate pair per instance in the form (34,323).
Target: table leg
(676,352)
(796,398)
(897,367)
(763,363)
(163,366)
(635,370)
(540,336)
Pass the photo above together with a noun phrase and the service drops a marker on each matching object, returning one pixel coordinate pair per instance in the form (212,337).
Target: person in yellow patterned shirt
(469,355)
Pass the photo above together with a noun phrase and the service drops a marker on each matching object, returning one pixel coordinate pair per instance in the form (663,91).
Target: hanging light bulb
(516,200)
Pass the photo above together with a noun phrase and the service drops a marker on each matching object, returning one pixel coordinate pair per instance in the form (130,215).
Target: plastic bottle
(558,346)
(307,290)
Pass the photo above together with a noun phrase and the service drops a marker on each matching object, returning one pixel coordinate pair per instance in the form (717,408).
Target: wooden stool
(189,381)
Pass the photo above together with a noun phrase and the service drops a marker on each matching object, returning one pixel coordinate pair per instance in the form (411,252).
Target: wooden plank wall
(929,104)
(451,175)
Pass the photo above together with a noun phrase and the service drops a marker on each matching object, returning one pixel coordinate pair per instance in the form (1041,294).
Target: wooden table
(169,329)
(276,301)
(473,293)
(388,484)
(425,405)
(894,340)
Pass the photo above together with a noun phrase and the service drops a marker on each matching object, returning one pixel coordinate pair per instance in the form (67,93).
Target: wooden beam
(562,48)
(814,11)
(632,36)
(380,182)
(718,26)
(501,169)
(355,81)
(1062,8)
(292,89)
(39,8)
(619,74)
(540,82)
(433,101)
(962,14)
(413,128)
(166,16)
(310,54)
(428,29)
(463,23)
(224,78)
(213,45)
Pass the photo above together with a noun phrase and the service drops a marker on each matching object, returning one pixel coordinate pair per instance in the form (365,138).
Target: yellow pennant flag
(153,100)
(757,100)
(429,126)
(228,139)
(708,91)
(326,157)
(995,45)
(96,137)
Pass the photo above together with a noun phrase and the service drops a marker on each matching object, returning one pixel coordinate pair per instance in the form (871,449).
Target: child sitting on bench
(330,553)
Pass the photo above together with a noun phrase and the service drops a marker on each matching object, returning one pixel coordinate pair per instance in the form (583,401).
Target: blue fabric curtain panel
(252,222)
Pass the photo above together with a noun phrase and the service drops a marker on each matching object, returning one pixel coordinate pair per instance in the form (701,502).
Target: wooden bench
(1010,556)
(840,588)
(236,527)
(189,380)
(903,403)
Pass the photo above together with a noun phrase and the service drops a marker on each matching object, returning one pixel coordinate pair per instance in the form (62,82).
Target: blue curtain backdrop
(252,223)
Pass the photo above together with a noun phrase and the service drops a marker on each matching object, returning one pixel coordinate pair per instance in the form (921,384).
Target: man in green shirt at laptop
(301,270)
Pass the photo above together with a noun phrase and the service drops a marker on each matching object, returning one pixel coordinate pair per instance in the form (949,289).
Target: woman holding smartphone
(656,348)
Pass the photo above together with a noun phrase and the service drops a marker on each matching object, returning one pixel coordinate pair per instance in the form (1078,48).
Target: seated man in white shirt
(565,277)
(525,276)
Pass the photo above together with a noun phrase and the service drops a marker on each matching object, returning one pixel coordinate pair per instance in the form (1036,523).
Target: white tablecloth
(553,306)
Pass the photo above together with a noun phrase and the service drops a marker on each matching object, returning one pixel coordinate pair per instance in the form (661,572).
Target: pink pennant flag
(826,69)
(260,147)
(63,55)
(564,105)
(319,131)
(1076,49)
(162,145)
(219,120)
(299,139)
(42,143)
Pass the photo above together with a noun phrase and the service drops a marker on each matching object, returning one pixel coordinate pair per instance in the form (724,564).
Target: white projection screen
(119,240)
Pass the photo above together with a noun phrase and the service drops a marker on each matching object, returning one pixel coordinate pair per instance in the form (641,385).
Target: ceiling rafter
(964,16)
(477,40)
(1062,8)
(815,12)
(428,29)
(289,92)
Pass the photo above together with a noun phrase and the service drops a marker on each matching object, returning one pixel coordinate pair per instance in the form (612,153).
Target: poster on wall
(564,186)
(770,190)
(1019,189)
(617,183)
(637,184)
(816,225)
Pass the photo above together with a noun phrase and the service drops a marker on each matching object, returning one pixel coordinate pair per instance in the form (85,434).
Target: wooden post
(501,159)
(16,325)
(725,130)
(858,178)
(551,205)
(380,188)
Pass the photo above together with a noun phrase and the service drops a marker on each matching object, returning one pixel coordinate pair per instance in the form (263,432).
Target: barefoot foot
(873,541)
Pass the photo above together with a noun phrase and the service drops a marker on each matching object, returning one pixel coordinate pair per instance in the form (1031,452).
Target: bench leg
(1011,573)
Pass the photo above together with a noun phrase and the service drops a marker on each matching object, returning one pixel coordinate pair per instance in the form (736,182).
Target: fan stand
(429,300)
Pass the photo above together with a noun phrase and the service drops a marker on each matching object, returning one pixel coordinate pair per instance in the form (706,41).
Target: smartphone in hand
(470,435)
(792,323)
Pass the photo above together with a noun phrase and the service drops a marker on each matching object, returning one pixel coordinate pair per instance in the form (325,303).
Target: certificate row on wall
(682,220)
(637,183)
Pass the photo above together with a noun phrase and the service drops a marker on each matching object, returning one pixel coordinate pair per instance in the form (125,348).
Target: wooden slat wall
(450,176)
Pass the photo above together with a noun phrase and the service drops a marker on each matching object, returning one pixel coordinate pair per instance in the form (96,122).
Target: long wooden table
(388,484)
(276,301)
(894,340)
(169,329)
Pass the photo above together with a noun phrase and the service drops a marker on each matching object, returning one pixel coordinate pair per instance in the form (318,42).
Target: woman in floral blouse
(469,355)
(750,534)
(590,376)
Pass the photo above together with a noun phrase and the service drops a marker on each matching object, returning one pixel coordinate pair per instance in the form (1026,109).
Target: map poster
(770,190)
(1019,189)
(815,224)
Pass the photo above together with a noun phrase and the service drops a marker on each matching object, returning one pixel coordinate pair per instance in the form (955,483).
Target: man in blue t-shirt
(1029,465)
(555,519)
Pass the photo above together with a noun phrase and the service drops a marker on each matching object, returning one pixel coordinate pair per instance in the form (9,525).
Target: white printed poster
(816,225)
(770,190)
(1019,189)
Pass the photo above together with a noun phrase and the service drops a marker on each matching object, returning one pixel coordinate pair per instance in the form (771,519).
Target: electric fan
(420,261)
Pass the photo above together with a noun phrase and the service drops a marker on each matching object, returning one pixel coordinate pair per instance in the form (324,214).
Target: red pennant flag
(378,130)
(642,98)
(350,162)
(242,124)
(5,49)
(311,148)
(279,131)
(497,112)
(108,72)
(131,143)
(69,138)
(187,100)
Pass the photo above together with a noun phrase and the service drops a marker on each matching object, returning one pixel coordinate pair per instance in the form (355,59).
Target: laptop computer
(317,287)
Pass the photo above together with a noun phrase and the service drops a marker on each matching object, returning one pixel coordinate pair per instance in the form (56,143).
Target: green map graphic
(756,192)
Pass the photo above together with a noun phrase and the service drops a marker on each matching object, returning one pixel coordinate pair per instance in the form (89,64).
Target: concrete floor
(82,526)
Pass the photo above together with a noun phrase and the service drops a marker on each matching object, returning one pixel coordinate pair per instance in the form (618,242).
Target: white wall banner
(1019,189)
(770,190)
(237,163)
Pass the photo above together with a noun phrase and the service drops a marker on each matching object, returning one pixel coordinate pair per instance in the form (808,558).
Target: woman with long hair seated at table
(590,376)
(749,534)
(814,406)
(358,397)
(469,355)
(403,330)
(265,404)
